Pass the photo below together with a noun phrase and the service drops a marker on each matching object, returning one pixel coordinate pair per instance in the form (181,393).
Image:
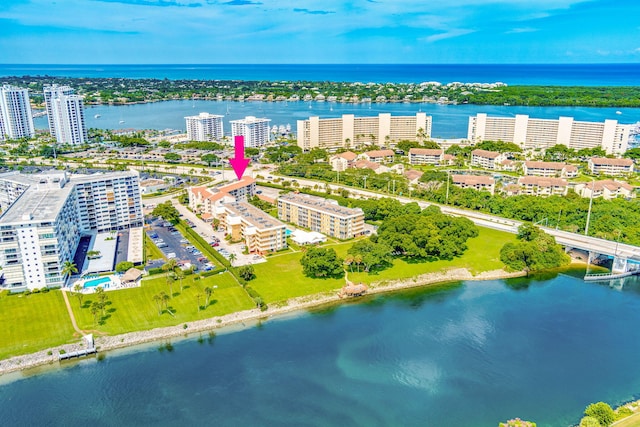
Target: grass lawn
(281,277)
(31,323)
(134,309)
(630,421)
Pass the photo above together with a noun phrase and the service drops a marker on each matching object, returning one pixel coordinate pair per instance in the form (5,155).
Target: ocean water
(513,74)
(449,121)
(467,354)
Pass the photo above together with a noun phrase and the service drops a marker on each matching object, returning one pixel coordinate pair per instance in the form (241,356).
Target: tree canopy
(321,262)
(602,412)
(535,250)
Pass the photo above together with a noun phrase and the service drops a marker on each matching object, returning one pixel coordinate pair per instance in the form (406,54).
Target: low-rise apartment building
(426,156)
(550,169)
(378,156)
(205,200)
(260,232)
(486,159)
(540,186)
(477,182)
(610,167)
(321,215)
(607,189)
(343,161)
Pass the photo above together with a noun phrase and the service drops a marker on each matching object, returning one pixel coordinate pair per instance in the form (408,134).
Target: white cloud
(522,30)
(449,34)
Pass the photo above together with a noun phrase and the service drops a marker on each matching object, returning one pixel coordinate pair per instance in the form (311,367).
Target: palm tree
(180,275)
(158,300)
(349,261)
(198,296)
(207,291)
(94,311)
(102,298)
(69,268)
(77,289)
(232,257)
(358,260)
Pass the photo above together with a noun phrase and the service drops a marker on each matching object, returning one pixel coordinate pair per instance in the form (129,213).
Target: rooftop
(604,161)
(485,153)
(253,215)
(330,207)
(427,151)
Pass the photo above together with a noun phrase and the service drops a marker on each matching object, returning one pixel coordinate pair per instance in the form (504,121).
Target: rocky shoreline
(106,343)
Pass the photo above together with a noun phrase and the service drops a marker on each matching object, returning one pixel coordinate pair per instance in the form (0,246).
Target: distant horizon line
(326,64)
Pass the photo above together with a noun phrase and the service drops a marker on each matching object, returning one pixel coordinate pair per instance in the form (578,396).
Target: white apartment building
(16,120)
(46,214)
(426,156)
(67,122)
(529,133)
(204,127)
(550,169)
(256,131)
(611,167)
(349,131)
(486,159)
(477,182)
(52,92)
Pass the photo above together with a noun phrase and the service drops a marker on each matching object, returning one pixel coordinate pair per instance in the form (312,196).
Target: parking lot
(175,246)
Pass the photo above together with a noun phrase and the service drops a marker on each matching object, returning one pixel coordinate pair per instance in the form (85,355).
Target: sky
(319,31)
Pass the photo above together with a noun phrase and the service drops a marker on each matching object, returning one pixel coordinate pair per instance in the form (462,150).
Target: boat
(618,112)
(97,116)
(121,122)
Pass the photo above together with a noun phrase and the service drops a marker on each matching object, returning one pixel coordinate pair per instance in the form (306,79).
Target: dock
(79,353)
(609,276)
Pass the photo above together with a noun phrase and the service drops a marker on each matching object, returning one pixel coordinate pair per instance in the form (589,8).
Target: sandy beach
(106,343)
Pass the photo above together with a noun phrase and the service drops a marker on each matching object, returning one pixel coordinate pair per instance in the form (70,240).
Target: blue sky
(314,31)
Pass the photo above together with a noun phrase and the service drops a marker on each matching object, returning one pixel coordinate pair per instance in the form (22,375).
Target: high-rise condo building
(66,115)
(528,133)
(350,131)
(16,120)
(204,127)
(254,130)
(45,215)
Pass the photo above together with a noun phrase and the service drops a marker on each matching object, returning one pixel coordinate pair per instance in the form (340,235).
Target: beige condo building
(348,131)
(530,133)
(260,232)
(321,215)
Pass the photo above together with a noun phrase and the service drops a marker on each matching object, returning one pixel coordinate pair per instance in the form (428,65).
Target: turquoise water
(465,354)
(96,282)
(449,121)
(528,74)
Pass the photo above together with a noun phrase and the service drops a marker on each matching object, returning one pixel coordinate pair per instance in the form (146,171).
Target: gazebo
(131,276)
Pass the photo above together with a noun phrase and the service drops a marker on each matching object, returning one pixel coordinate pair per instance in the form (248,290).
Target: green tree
(179,275)
(373,254)
(102,297)
(123,266)
(321,262)
(167,211)
(77,291)
(157,299)
(210,159)
(95,309)
(198,297)
(172,157)
(69,268)
(207,292)
(247,272)
(589,422)
(232,258)
(602,412)
(535,250)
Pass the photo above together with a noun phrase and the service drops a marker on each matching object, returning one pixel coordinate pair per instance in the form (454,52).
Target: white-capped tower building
(204,127)
(255,131)
(16,120)
(66,115)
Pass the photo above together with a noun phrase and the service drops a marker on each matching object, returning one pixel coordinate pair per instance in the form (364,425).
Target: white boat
(97,116)
(121,122)
(618,112)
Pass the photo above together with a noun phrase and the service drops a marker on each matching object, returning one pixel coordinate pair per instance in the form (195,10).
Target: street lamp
(446,199)
(593,189)
(364,178)
(617,243)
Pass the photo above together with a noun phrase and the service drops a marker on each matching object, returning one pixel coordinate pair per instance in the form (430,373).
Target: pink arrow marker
(239,163)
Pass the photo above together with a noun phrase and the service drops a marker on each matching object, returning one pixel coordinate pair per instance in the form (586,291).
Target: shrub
(602,412)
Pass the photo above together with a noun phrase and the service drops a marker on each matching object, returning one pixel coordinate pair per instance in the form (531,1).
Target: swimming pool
(97,282)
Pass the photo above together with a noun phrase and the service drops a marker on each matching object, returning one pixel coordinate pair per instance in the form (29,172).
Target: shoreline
(106,343)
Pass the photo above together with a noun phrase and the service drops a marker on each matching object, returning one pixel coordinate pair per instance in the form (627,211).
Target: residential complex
(539,186)
(426,156)
(487,159)
(477,182)
(205,200)
(44,215)
(550,169)
(65,112)
(255,131)
(349,131)
(610,167)
(260,232)
(607,189)
(16,120)
(529,133)
(204,127)
(321,215)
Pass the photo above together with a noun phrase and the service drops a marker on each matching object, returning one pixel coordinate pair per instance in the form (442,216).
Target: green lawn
(630,421)
(31,323)
(151,250)
(281,277)
(134,309)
